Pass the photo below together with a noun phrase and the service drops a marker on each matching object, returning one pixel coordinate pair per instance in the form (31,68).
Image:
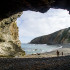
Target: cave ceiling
(11,7)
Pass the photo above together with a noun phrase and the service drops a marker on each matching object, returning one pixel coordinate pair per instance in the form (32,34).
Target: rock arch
(10,10)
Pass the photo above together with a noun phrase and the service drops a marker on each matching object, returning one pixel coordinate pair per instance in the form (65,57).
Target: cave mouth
(35,24)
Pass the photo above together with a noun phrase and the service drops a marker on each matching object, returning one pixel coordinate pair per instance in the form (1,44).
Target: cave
(10,45)
(11,10)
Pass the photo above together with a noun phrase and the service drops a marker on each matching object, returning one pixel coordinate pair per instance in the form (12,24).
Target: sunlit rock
(9,40)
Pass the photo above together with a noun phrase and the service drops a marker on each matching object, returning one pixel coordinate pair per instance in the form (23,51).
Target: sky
(33,24)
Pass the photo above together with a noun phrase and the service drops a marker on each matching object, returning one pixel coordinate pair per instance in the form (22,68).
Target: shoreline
(66,52)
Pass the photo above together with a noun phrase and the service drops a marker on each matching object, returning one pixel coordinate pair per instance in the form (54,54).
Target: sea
(39,48)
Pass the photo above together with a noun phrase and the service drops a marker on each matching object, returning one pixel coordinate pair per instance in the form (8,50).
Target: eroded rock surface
(9,40)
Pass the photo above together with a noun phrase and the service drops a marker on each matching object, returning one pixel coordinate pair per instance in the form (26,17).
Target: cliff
(59,37)
(9,40)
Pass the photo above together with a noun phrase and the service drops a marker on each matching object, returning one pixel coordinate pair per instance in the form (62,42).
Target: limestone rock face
(59,37)
(9,39)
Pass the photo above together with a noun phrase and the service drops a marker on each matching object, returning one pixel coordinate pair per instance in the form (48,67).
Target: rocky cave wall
(10,10)
(10,44)
(10,7)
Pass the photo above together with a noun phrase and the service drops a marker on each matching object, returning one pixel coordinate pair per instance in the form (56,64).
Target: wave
(55,49)
(39,48)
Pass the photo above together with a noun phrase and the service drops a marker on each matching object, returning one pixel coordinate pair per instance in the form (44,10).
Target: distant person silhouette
(57,53)
(62,53)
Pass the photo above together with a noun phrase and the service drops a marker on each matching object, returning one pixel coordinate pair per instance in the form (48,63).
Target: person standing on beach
(57,53)
(62,53)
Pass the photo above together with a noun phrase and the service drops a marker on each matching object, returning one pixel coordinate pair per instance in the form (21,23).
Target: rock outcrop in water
(59,37)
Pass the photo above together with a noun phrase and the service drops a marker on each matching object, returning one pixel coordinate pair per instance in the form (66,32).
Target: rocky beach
(54,63)
(39,61)
(45,61)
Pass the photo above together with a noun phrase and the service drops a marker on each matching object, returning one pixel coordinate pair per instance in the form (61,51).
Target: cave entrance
(34,24)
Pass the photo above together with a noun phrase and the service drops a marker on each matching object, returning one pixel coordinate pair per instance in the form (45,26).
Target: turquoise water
(38,48)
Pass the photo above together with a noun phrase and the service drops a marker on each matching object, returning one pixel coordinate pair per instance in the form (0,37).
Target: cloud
(33,24)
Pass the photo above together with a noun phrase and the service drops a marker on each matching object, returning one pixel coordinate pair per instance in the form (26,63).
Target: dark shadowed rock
(10,7)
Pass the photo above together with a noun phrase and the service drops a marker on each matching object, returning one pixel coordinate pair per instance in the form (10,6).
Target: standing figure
(62,53)
(57,53)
